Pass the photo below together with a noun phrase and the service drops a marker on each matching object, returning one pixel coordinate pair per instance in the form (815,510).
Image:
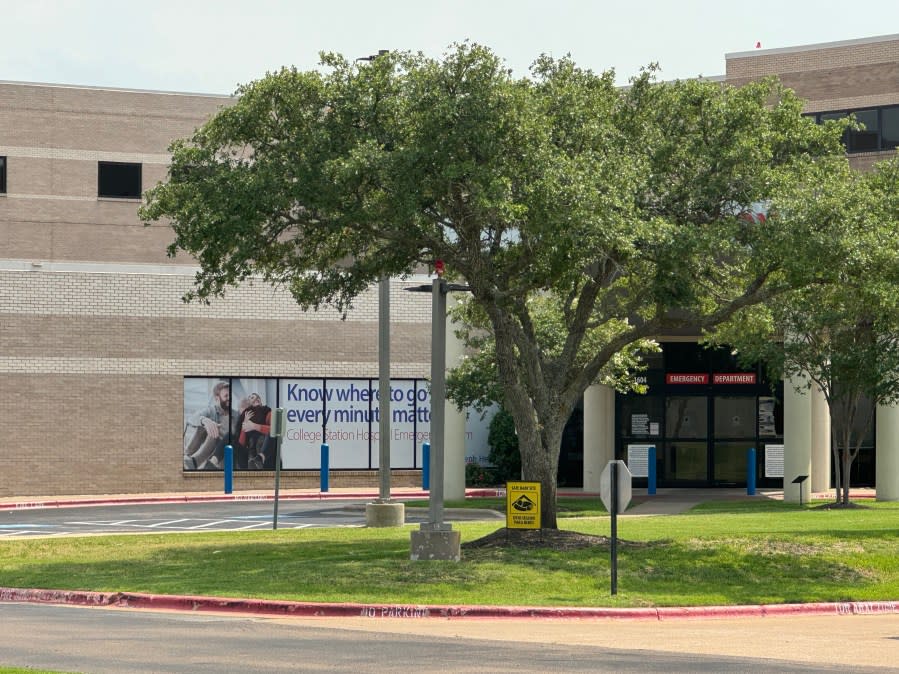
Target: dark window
(889,129)
(685,357)
(881,130)
(867,139)
(827,116)
(2,175)
(118,180)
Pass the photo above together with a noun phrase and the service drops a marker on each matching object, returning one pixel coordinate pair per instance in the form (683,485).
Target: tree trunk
(847,464)
(835,456)
(540,463)
(539,417)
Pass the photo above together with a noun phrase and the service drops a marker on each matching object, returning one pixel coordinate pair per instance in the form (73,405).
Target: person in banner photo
(253,449)
(207,431)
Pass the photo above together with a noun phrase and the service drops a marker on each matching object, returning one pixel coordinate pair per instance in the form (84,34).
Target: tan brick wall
(104,120)
(92,367)
(823,57)
(858,74)
(53,137)
(108,434)
(95,342)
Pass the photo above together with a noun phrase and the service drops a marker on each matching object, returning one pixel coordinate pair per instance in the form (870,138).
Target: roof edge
(812,47)
(113,89)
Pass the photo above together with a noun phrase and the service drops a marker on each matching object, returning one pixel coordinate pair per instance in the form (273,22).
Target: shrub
(503,442)
(477,475)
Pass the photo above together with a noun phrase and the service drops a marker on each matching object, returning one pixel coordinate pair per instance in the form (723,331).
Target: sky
(212,46)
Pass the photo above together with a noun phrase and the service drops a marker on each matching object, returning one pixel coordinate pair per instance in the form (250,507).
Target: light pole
(436,539)
(383,512)
(384,389)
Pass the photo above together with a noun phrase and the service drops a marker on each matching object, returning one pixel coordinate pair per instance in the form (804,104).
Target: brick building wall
(835,76)
(95,341)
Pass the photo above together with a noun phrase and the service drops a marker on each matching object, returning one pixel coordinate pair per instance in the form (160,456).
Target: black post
(277,481)
(276,431)
(614,542)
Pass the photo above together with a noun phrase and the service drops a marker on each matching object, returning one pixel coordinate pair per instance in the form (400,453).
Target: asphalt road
(93,640)
(196,516)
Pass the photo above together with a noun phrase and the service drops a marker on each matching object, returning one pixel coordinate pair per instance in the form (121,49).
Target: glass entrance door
(707,439)
(686,455)
(734,433)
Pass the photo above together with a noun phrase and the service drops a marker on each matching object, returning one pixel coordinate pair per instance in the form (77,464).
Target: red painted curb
(127,500)
(340,610)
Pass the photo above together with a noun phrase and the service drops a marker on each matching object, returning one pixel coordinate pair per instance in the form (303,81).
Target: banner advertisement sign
(345,415)
(221,411)
(342,413)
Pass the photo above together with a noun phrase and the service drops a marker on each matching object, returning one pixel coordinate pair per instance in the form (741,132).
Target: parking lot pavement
(201,517)
(195,524)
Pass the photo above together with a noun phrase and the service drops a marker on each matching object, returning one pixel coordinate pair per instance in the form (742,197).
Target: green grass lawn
(718,553)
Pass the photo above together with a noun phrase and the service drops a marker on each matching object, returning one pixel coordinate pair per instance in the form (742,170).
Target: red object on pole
(439,268)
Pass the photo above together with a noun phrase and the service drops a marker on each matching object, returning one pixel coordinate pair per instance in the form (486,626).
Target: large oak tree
(621,206)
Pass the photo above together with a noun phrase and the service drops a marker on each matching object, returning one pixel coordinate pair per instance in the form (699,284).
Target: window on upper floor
(881,130)
(2,175)
(118,180)
(889,128)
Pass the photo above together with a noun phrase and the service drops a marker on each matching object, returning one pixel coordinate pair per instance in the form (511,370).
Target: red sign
(734,378)
(686,378)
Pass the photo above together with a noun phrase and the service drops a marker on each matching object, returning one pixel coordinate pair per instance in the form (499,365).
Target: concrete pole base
(385,514)
(430,544)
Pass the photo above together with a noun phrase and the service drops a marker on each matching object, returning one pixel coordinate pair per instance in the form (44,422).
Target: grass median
(718,553)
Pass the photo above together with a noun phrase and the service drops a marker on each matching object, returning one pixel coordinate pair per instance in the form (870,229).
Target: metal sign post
(799,480)
(615,492)
(276,430)
(614,546)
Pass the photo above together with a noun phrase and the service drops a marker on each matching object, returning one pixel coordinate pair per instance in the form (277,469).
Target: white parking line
(97,524)
(251,526)
(208,524)
(168,523)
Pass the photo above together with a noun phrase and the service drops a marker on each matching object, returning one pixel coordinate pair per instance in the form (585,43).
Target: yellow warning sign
(523,505)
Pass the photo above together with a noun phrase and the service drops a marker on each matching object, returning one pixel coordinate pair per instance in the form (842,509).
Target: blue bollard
(651,475)
(750,472)
(325,468)
(229,469)
(426,466)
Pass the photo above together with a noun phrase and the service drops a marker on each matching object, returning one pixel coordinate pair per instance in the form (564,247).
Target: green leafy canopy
(586,218)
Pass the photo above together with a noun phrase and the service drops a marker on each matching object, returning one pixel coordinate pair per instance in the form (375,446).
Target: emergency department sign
(523,505)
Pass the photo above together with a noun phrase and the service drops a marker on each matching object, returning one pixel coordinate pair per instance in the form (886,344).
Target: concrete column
(821,456)
(797,441)
(599,433)
(887,447)
(454,420)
